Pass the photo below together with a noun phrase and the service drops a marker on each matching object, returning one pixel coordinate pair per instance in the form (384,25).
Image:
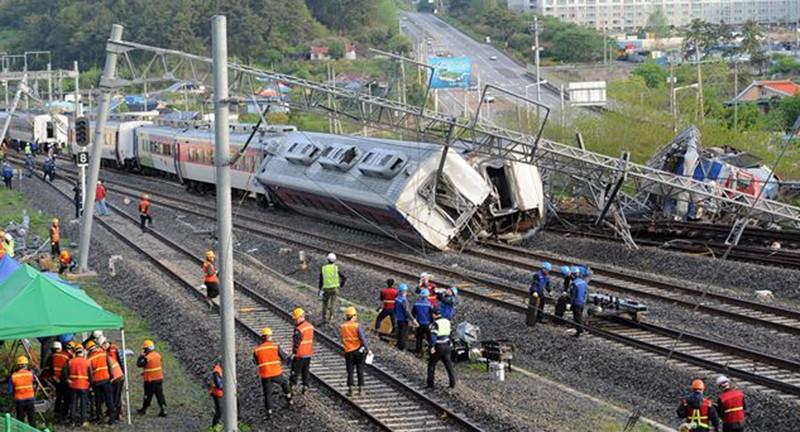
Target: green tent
(35,305)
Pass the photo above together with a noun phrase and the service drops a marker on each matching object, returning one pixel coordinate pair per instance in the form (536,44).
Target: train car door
(120,164)
(176,157)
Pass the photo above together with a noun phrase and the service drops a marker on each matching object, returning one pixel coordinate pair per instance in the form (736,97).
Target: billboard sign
(451,72)
(588,93)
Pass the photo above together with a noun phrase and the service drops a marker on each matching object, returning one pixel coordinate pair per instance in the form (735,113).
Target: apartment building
(632,14)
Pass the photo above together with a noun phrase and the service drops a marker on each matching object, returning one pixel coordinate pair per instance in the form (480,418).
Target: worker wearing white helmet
(54,371)
(331,280)
(731,407)
(8,245)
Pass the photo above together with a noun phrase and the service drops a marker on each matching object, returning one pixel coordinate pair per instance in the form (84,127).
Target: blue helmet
(424,293)
(576,270)
(454,290)
(402,287)
(547,266)
(565,270)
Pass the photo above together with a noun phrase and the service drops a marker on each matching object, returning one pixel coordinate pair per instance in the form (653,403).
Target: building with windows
(632,14)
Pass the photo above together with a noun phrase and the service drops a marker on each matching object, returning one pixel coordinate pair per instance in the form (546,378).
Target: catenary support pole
(127,380)
(219,42)
(109,73)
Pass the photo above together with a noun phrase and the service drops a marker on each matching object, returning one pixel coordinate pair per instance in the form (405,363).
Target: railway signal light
(82,131)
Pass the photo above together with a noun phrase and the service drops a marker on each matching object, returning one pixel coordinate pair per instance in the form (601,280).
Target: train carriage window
(449,201)
(385,160)
(368,157)
(340,157)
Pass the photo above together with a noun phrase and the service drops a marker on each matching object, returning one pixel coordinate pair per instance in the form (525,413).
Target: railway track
(390,403)
(770,373)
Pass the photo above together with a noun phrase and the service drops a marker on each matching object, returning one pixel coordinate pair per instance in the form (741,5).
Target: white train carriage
(188,154)
(29,127)
(119,145)
(377,185)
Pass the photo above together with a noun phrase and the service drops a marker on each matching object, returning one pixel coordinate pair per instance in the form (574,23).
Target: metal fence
(10,424)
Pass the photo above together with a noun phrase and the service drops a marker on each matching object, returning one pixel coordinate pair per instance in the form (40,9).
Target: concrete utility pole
(736,93)
(219,49)
(536,58)
(109,73)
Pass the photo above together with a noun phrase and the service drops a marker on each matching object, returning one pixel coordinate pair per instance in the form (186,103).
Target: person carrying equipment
(55,238)
(21,385)
(210,278)
(144,212)
(730,406)
(387,298)
(403,315)
(79,373)
(440,348)
(355,349)
(331,280)
(268,357)
(302,349)
(539,284)
(697,410)
(100,363)
(153,377)
(216,392)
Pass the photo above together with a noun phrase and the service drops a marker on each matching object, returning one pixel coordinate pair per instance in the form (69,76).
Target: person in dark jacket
(403,316)
(540,282)
(579,292)
(697,410)
(447,302)
(422,313)
(387,298)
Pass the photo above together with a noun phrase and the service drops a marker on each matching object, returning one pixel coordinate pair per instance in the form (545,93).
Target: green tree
(503,21)
(787,111)
(576,45)
(784,64)
(751,43)
(657,23)
(699,36)
(653,74)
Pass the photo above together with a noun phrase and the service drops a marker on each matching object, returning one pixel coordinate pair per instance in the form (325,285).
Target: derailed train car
(41,127)
(391,187)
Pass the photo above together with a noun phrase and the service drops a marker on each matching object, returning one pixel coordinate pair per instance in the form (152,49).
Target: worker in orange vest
(210,278)
(302,348)
(79,378)
(355,349)
(55,367)
(153,375)
(21,385)
(55,238)
(216,392)
(268,357)
(698,410)
(144,212)
(66,262)
(117,373)
(100,362)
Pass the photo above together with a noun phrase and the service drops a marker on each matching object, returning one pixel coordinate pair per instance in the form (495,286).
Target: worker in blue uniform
(540,282)
(579,292)
(422,313)
(447,302)
(403,316)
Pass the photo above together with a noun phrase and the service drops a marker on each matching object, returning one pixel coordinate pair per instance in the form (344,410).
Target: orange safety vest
(79,374)
(214,390)
(306,348)
(732,401)
(113,351)
(60,358)
(268,360)
(209,272)
(152,370)
(116,369)
(65,258)
(55,234)
(350,339)
(144,207)
(23,385)
(99,362)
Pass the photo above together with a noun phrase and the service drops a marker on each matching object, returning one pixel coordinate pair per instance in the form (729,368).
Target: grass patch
(605,420)
(14,205)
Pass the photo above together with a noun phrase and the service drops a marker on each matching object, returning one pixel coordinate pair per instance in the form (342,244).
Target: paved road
(502,72)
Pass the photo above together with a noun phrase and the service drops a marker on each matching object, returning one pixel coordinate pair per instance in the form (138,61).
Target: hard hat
(331,257)
(722,381)
(266,331)
(55,221)
(454,290)
(403,287)
(22,361)
(64,253)
(97,333)
(102,340)
(424,292)
(424,275)
(99,182)
(8,237)
(145,196)
(148,344)
(436,311)
(78,347)
(57,345)
(576,270)
(698,385)
(90,345)
(350,311)
(210,254)
(298,313)
(547,266)
(72,343)
(565,270)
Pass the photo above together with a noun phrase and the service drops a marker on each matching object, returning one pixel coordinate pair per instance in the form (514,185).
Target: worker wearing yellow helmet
(268,357)
(55,238)
(153,376)
(302,348)
(210,278)
(355,349)
(21,385)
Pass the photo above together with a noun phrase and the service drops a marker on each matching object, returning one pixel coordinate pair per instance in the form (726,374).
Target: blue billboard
(451,72)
